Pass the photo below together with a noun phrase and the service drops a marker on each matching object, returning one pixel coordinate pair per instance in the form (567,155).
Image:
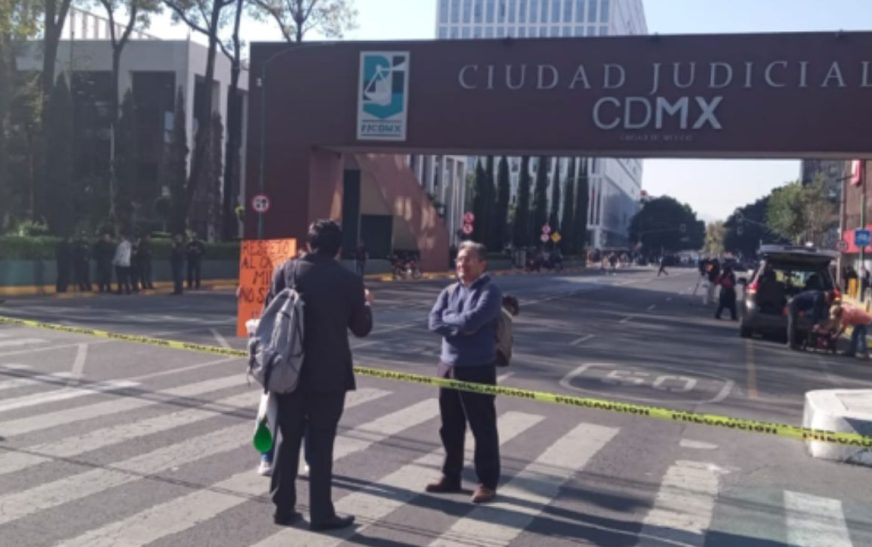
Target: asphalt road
(112,443)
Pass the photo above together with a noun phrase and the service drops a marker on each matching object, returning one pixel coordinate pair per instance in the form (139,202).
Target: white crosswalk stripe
(530,491)
(813,521)
(400,487)
(682,511)
(187,511)
(63,394)
(21,342)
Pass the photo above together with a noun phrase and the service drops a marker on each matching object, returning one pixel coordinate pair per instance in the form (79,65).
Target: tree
(820,211)
(746,229)
(714,238)
(665,225)
(554,217)
(126,164)
(567,223)
(479,208)
(138,12)
(540,197)
(521,225)
(19,21)
(54,17)
(785,213)
(582,198)
(206,17)
(490,206)
(297,17)
(234,132)
(177,168)
(501,213)
(58,192)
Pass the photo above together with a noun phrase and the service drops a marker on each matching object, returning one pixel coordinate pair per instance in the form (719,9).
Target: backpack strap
(291,269)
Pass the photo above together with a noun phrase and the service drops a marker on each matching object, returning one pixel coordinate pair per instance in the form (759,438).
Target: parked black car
(783,272)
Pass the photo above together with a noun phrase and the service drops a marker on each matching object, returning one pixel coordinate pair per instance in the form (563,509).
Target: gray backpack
(275,351)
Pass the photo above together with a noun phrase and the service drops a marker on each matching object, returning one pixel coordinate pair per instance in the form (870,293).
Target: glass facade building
(615,184)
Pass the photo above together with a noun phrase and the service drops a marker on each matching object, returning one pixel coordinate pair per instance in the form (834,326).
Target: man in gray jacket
(466,315)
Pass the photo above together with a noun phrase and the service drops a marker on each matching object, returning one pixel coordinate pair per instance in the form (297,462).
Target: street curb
(825,410)
(161,287)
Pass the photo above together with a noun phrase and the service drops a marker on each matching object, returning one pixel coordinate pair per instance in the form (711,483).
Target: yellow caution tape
(657,413)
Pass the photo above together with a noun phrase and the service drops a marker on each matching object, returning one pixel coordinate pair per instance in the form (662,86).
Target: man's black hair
(325,237)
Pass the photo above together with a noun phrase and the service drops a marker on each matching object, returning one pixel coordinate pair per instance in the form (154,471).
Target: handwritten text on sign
(257,262)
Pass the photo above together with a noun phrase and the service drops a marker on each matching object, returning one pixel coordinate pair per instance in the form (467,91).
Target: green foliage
(540,198)
(501,214)
(479,203)
(714,238)
(43,247)
(746,229)
(582,197)
(786,213)
(554,217)
(567,223)
(58,190)
(665,225)
(521,226)
(176,168)
(295,18)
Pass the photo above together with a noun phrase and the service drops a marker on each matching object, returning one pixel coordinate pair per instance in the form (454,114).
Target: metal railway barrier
(658,413)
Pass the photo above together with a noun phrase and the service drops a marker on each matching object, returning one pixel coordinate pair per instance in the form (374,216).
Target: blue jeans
(858,341)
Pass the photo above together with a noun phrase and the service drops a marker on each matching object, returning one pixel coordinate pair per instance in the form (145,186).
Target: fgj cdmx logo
(383,95)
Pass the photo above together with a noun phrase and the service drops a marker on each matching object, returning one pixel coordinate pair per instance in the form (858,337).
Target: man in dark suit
(335,302)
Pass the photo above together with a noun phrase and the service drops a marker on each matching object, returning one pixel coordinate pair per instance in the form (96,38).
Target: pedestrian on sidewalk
(82,263)
(466,315)
(360,257)
(121,261)
(662,269)
(104,253)
(195,251)
(335,302)
(859,321)
(713,272)
(727,298)
(143,262)
(177,263)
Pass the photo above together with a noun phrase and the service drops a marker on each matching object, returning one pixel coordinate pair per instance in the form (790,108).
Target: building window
(476,11)
(489,14)
(534,10)
(579,11)
(443,32)
(604,11)
(467,11)
(579,31)
(604,30)
(466,32)
(489,32)
(512,32)
(455,33)
(476,32)
(567,11)
(443,11)
(522,11)
(522,32)
(455,11)
(591,11)
(555,32)
(512,6)
(543,16)
(501,11)
(555,11)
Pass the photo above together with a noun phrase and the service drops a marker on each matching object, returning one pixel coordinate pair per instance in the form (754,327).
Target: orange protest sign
(258,260)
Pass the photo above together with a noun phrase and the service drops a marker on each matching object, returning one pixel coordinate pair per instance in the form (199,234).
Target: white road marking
(813,521)
(183,513)
(503,377)
(79,362)
(530,491)
(21,342)
(62,395)
(651,307)
(582,340)
(221,340)
(684,504)
(51,379)
(33,423)
(697,445)
(627,319)
(669,299)
(394,491)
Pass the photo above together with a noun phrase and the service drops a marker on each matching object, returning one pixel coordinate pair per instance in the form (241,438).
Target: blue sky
(712,187)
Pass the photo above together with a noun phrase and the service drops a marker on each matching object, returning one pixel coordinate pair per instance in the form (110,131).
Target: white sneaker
(264,469)
(305,470)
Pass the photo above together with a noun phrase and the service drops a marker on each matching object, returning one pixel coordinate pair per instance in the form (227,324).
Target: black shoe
(334,523)
(286,520)
(444,486)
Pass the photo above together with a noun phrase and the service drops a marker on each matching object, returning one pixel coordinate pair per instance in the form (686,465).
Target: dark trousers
(178,276)
(63,280)
(145,277)
(123,275)
(727,301)
(194,273)
(82,275)
(662,270)
(792,317)
(104,276)
(317,415)
(457,408)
